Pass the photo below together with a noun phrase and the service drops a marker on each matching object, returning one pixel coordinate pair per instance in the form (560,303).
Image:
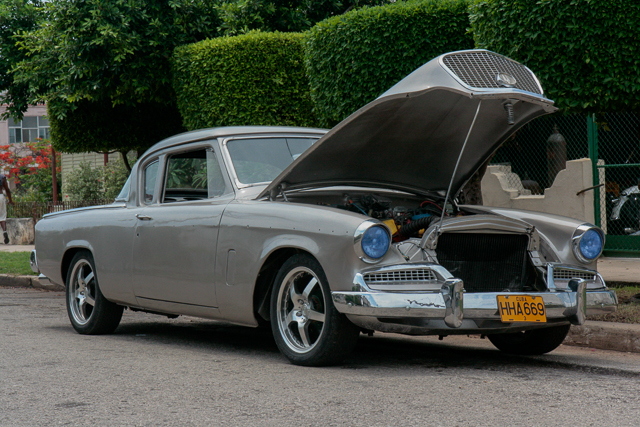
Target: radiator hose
(413,227)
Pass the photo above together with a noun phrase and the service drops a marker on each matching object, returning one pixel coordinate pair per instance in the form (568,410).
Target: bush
(353,58)
(584,52)
(87,183)
(252,79)
(83,183)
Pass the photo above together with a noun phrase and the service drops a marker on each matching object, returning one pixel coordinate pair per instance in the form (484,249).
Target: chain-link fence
(617,146)
(538,151)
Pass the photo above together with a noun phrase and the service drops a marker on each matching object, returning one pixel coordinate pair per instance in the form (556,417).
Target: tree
(16,17)
(242,16)
(110,54)
(584,52)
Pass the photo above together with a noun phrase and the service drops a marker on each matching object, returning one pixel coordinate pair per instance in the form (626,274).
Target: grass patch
(628,306)
(15,263)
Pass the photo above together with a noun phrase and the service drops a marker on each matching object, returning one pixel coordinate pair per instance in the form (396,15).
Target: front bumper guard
(452,305)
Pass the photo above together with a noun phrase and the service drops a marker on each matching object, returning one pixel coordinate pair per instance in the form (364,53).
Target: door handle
(143,217)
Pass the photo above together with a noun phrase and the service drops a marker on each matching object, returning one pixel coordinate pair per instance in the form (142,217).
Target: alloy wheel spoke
(316,315)
(88,299)
(81,282)
(81,303)
(293,295)
(89,278)
(290,317)
(302,329)
(307,290)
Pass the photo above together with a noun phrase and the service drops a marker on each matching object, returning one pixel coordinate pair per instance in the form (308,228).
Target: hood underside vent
(481,69)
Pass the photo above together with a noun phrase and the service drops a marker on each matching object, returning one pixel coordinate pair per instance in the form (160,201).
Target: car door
(177,231)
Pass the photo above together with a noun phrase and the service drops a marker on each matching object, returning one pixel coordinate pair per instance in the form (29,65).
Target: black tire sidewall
(105,316)
(532,342)
(338,336)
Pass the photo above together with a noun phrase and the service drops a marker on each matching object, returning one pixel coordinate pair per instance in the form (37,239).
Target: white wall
(559,199)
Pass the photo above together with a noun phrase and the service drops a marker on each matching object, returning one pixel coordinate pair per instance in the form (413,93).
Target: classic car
(324,235)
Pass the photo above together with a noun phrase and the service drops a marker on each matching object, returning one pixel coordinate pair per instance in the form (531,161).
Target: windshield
(262,159)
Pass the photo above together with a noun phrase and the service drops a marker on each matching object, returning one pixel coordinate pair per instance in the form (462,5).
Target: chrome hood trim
(410,138)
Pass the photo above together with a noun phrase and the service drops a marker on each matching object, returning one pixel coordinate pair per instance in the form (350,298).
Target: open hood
(411,137)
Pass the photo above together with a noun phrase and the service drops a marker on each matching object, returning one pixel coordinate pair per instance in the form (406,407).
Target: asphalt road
(190,372)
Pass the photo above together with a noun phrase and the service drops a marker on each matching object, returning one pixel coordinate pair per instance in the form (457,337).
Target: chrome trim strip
(33,262)
(551,285)
(114,205)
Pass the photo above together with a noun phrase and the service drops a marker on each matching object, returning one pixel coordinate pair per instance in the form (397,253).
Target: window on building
(29,129)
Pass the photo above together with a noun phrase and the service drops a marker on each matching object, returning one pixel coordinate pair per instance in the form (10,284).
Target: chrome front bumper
(451,308)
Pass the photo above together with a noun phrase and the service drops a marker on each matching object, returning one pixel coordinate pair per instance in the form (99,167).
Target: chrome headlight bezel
(577,238)
(359,234)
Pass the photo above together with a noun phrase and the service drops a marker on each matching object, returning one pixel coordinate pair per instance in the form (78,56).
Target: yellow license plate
(521,308)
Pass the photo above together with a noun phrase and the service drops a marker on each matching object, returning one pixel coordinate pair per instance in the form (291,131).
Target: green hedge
(253,79)
(586,53)
(353,58)
(100,127)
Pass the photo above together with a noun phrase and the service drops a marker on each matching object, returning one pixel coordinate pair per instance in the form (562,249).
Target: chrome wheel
(82,292)
(301,310)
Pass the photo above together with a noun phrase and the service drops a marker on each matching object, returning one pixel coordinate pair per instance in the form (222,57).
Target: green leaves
(353,58)
(252,79)
(586,53)
(111,50)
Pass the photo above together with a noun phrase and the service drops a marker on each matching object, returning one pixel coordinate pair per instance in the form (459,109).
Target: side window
(150,177)
(193,175)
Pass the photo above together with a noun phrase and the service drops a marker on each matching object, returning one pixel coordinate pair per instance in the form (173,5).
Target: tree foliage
(252,79)
(242,16)
(586,53)
(115,50)
(353,58)
(16,17)
(100,126)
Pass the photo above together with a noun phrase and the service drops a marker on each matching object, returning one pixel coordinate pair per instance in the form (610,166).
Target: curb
(9,281)
(605,336)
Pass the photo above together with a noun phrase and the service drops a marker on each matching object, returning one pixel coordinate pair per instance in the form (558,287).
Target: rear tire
(306,326)
(530,343)
(89,311)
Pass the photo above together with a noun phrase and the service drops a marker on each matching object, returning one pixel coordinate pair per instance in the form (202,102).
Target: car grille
(480,69)
(413,276)
(485,262)
(567,274)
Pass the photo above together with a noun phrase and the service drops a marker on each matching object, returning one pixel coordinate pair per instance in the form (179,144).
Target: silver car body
(216,257)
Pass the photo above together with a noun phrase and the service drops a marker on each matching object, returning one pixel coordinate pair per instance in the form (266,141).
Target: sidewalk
(600,335)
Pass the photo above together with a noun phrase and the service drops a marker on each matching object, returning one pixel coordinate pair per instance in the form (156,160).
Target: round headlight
(375,242)
(588,242)
(591,244)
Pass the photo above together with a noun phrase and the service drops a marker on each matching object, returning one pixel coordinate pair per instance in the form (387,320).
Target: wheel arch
(266,277)
(66,260)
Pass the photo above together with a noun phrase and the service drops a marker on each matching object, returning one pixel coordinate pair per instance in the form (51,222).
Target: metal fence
(538,151)
(36,210)
(615,144)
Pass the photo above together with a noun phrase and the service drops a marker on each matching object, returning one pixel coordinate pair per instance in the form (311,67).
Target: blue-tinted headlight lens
(591,244)
(375,242)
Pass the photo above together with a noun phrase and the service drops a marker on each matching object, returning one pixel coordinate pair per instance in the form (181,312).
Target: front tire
(89,311)
(530,343)
(306,326)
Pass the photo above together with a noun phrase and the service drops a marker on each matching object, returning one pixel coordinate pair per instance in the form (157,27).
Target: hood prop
(455,169)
